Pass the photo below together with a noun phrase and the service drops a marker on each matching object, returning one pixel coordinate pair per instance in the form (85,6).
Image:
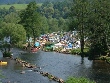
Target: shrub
(78,80)
(48,49)
(78,51)
(7,54)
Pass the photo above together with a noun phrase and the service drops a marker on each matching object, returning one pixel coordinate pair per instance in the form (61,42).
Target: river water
(57,64)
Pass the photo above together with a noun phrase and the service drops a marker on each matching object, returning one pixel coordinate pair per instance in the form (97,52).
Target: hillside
(25,1)
(17,6)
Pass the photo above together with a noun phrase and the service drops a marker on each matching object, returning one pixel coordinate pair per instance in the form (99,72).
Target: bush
(105,58)
(78,80)
(78,51)
(7,54)
(48,44)
(48,48)
(58,49)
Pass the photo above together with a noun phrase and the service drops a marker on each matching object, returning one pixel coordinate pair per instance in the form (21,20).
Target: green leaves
(92,18)
(78,80)
(99,26)
(12,18)
(15,31)
(30,19)
(79,16)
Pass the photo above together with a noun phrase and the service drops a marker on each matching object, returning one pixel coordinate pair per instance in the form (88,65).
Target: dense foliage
(100,27)
(25,1)
(54,15)
(79,14)
(30,19)
(15,31)
(9,26)
(78,80)
(91,19)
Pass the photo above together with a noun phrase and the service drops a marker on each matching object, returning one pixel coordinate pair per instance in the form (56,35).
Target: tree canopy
(16,32)
(91,19)
(31,20)
(79,15)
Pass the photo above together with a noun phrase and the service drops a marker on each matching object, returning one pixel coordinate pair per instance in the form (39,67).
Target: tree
(12,9)
(53,24)
(91,19)
(16,32)
(99,27)
(31,20)
(3,12)
(12,18)
(11,34)
(45,26)
(62,24)
(79,15)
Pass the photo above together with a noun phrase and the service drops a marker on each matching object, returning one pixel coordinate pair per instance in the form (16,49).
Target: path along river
(60,65)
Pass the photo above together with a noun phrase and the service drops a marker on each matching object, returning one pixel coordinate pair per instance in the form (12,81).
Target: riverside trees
(91,19)
(9,28)
(99,27)
(16,35)
(79,14)
(31,20)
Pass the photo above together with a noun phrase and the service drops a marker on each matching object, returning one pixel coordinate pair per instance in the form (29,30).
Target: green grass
(17,6)
(78,80)
(78,51)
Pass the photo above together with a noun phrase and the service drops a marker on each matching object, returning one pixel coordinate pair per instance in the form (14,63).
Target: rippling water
(60,65)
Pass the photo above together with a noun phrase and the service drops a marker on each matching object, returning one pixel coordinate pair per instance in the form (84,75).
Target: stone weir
(34,68)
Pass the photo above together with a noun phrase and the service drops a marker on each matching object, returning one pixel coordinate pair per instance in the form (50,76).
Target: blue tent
(70,45)
(37,44)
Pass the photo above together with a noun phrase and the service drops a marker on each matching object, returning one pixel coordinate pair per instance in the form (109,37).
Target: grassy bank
(78,51)
(105,58)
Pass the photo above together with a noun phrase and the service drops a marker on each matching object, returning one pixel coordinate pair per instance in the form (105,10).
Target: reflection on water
(60,65)
(101,71)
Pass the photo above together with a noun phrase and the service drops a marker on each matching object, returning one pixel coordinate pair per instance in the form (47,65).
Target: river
(60,65)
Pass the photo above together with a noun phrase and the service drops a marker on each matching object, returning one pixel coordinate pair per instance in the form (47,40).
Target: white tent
(78,42)
(59,44)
